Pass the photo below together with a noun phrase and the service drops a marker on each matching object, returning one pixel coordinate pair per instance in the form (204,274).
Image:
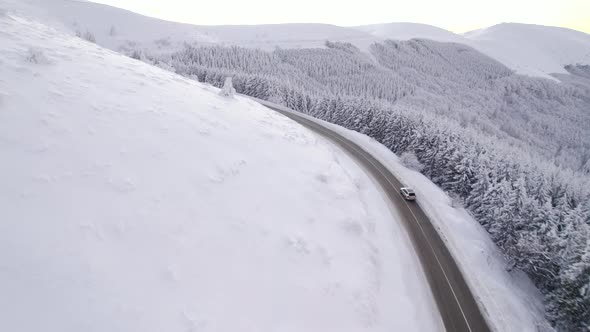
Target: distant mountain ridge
(527,49)
(532,49)
(406,31)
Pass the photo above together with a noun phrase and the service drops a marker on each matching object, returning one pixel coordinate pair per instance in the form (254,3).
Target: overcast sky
(454,15)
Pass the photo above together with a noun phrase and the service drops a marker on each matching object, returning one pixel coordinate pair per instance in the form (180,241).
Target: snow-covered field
(132,199)
(509,300)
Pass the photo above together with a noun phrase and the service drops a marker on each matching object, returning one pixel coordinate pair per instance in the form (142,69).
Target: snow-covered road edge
(509,302)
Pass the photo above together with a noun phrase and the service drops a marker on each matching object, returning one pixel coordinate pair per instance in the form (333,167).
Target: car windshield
(412,194)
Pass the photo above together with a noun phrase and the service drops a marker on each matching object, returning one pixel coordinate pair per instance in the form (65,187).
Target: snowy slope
(532,49)
(300,35)
(407,31)
(528,49)
(132,199)
(117,28)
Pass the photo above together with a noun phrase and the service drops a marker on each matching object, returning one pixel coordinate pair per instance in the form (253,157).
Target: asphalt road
(455,302)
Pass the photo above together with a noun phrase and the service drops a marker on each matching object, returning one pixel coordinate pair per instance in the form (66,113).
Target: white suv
(408,193)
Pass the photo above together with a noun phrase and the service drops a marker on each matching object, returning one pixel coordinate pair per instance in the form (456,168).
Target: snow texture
(133,199)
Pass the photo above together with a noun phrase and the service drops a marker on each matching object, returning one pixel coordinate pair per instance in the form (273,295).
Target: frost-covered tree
(37,56)
(228,88)
(89,36)
(410,160)
(113,31)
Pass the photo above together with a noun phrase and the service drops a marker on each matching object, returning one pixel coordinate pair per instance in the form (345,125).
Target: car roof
(410,190)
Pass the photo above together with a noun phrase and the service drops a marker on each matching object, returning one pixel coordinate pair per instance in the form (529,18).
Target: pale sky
(455,15)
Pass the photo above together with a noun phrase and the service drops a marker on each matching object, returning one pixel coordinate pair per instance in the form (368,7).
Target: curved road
(456,304)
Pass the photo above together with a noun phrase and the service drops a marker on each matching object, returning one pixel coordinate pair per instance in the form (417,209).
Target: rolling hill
(532,49)
(528,49)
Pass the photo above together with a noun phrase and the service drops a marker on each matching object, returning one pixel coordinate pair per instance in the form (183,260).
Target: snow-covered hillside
(407,31)
(532,49)
(132,199)
(121,29)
